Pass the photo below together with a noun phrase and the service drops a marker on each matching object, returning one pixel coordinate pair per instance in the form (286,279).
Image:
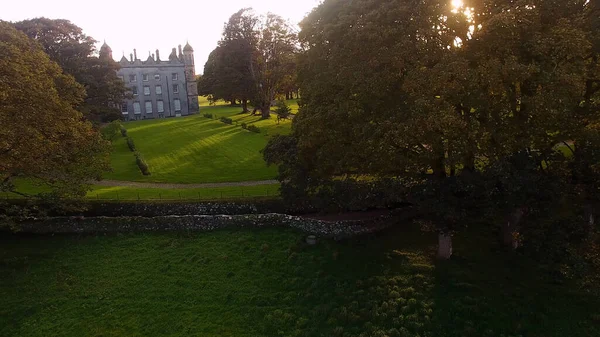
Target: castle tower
(105,52)
(190,78)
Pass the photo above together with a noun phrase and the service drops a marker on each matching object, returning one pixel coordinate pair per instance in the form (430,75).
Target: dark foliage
(141,163)
(226,120)
(131,144)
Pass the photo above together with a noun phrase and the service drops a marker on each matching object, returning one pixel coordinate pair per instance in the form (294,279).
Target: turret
(190,77)
(188,55)
(105,52)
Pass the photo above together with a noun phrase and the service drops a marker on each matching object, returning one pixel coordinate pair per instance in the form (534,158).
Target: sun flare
(457,3)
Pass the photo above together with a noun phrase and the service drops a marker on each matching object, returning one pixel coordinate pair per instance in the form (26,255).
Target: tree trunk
(266,111)
(439,163)
(510,229)
(287,95)
(444,246)
(590,221)
(244,105)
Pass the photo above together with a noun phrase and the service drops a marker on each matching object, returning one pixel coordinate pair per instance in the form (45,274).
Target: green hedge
(131,144)
(141,163)
(253,128)
(226,120)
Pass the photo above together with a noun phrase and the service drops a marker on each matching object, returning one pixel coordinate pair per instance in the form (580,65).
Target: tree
(273,61)
(74,52)
(283,111)
(43,138)
(255,60)
(451,93)
(226,75)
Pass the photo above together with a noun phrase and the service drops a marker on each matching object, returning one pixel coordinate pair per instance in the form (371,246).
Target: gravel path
(182,186)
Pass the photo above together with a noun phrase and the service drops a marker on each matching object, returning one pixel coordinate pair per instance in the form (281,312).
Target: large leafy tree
(449,93)
(255,60)
(273,61)
(43,137)
(74,51)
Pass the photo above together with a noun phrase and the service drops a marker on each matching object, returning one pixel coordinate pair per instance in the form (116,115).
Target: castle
(159,88)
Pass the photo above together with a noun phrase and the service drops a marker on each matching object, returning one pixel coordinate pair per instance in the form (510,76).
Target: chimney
(135,54)
(153,57)
(180,53)
(157,55)
(130,57)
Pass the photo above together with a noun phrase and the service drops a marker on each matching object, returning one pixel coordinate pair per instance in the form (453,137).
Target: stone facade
(159,88)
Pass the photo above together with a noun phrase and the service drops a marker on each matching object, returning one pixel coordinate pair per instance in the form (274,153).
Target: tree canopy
(255,60)
(74,52)
(43,137)
(430,91)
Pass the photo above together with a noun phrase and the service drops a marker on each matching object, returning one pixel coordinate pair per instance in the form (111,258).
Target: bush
(253,128)
(141,163)
(123,131)
(226,120)
(283,111)
(111,131)
(131,144)
(244,126)
(210,116)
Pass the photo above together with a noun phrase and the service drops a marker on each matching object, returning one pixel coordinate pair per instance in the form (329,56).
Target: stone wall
(153,209)
(335,229)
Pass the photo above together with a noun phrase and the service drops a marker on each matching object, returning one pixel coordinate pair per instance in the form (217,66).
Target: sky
(149,25)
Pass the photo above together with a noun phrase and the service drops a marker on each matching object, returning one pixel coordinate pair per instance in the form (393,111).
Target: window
(157,77)
(136,108)
(174,76)
(175,88)
(124,108)
(160,107)
(145,77)
(148,107)
(134,90)
(132,78)
(159,90)
(146,90)
(177,104)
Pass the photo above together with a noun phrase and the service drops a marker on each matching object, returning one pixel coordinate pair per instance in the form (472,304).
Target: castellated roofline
(151,64)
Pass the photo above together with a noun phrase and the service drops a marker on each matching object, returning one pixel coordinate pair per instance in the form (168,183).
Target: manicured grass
(269,283)
(196,149)
(131,193)
(134,193)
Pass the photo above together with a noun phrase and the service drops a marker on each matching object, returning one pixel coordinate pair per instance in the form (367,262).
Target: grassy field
(133,193)
(268,283)
(196,149)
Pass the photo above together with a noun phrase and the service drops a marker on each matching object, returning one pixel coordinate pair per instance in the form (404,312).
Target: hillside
(196,149)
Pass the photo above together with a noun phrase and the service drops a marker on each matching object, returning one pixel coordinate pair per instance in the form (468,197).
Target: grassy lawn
(131,193)
(135,193)
(195,149)
(268,283)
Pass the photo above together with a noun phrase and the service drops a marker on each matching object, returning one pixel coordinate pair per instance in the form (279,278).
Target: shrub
(283,111)
(226,120)
(208,116)
(111,131)
(123,131)
(141,163)
(253,128)
(131,144)
(244,126)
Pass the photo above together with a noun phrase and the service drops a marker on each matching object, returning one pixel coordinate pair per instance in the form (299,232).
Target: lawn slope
(196,149)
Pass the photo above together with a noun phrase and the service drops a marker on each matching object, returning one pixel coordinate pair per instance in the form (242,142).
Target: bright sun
(457,3)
